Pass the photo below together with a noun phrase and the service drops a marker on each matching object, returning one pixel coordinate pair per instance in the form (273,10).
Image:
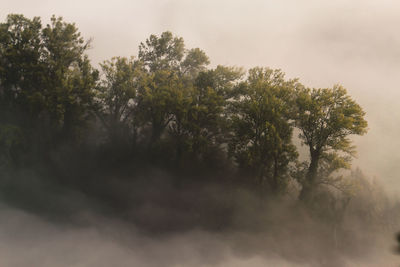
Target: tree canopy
(46,80)
(167,106)
(262,132)
(326,118)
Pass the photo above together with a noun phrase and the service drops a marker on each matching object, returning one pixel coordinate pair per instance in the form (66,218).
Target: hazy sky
(355,43)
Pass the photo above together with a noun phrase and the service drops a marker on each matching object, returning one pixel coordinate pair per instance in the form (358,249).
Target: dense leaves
(326,118)
(166,107)
(46,81)
(261,141)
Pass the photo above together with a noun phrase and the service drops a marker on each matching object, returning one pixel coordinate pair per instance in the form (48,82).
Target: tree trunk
(275,179)
(156,132)
(308,186)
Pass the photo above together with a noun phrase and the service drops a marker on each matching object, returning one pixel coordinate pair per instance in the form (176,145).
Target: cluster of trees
(167,106)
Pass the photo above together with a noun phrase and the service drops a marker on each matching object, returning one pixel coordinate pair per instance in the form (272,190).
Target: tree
(168,52)
(170,71)
(326,118)
(116,96)
(46,80)
(200,122)
(225,80)
(213,89)
(157,95)
(161,53)
(21,69)
(195,62)
(70,79)
(261,130)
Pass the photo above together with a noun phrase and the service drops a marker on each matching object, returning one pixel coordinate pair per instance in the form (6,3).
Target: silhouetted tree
(326,118)
(46,81)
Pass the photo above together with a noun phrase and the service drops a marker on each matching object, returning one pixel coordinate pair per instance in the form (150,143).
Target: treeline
(165,107)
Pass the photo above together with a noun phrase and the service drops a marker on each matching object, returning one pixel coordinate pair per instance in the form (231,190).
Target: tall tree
(46,81)
(21,68)
(326,118)
(116,95)
(157,95)
(168,52)
(161,53)
(170,70)
(261,141)
(70,79)
(213,89)
(199,126)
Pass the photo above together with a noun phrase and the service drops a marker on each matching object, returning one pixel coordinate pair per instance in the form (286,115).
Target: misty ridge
(160,160)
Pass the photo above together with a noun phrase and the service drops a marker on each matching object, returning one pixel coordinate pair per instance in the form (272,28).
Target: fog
(283,236)
(323,43)
(353,43)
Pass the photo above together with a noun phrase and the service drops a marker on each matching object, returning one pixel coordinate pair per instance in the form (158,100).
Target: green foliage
(165,88)
(70,78)
(157,95)
(261,139)
(195,61)
(168,52)
(326,118)
(199,124)
(161,53)
(20,67)
(169,105)
(46,80)
(116,96)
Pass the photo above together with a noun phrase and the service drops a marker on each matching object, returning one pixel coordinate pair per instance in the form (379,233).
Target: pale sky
(355,43)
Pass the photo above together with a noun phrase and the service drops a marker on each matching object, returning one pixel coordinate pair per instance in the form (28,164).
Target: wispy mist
(352,43)
(145,218)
